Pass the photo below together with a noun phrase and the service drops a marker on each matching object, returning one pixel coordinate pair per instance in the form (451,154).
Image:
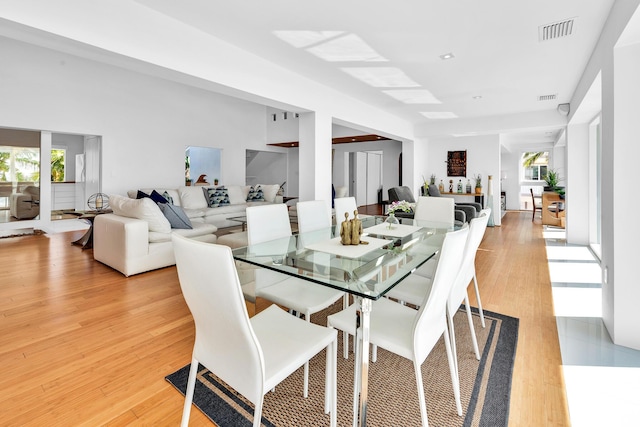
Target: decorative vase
(441,187)
(478,190)
(469,186)
(391,221)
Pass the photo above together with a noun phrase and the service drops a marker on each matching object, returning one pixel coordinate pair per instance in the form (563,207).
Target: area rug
(485,385)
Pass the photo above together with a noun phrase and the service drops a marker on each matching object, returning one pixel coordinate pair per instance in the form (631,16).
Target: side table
(86,241)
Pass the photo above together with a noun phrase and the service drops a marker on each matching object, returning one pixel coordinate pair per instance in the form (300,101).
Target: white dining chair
(341,206)
(412,290)
(270,223)
(436,210)
(411,333)
(252,355)
(314,216)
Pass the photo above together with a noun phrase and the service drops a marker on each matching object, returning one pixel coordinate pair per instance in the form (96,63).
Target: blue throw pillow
(216,196)
(255,194)
(175,215)
(155,196)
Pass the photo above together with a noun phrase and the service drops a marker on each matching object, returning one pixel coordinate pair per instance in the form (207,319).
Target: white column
(315,156)
(621,127)
(577,180)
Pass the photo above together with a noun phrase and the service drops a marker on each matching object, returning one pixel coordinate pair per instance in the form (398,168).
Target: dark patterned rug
(485,385)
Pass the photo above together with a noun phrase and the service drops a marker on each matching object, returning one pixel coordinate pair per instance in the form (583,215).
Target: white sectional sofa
(136,237)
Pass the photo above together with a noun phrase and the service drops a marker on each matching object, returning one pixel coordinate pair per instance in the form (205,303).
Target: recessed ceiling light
(477,97)
(413,96)
(449,55)
(346,48)
(439,114)
(381,76)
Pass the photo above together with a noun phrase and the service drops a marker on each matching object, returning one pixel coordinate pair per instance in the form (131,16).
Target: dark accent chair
(470,209)
(397,194)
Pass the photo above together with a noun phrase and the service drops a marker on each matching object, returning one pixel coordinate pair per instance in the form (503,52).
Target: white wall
(145,122)
(483,157)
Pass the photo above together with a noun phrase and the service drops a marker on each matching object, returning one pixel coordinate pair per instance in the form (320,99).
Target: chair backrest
(477,227)
(313,215)
(431,317)
(344,205)
(268,222)
(225,342)
(436,209)
(434,191)
(397,194)
(533,199)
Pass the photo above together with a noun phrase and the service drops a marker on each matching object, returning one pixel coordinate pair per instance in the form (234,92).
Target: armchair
(25,205)
(404,193)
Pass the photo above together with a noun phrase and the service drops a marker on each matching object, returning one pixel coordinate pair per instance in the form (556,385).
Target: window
(19,164)
(535,165)
(58,157)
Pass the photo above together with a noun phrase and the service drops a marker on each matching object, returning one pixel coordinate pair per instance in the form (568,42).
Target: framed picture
(457,163)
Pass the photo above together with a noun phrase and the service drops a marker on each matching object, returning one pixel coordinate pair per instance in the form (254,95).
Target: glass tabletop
(367,270)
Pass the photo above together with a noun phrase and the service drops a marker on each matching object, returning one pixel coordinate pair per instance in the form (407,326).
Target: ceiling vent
(547,97)
(555,30)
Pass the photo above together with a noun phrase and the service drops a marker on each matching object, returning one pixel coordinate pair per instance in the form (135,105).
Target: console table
(478,198)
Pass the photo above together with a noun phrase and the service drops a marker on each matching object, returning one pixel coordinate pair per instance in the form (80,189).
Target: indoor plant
(478,179)
(551,178)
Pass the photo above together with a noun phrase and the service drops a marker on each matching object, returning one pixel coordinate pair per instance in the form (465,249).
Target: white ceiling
(499,59)
(498,55)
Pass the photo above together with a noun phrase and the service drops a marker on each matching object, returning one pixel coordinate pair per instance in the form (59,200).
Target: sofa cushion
(175,215)
(255,194)
(199,229)
(237,193)
(192,197)
(270,192)
(227,210)
(216,196)
(144,209)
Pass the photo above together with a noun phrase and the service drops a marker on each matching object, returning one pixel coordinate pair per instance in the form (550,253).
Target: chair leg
(471,328)
(331,380)
(257,413)
(452,369)
(421,398)
(305,392)
(188,396)
(452,340)
(475,285)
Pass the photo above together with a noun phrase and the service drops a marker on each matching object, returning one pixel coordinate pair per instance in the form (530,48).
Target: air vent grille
(547,97)
(556,30)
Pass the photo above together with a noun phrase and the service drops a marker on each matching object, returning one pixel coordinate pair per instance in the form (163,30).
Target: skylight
(439,114)
(381,76)
(413,96)
(346,48)
(302,39)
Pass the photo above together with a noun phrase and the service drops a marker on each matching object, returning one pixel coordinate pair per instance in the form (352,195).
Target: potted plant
(551,178)
(478,179)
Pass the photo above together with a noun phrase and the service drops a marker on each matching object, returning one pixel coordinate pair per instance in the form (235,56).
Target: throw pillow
(175,215)
(155,196)
(255,194)
(216,196)
(168,197)
(144,209)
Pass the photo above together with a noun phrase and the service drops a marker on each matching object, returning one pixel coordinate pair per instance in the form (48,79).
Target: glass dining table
(366,271)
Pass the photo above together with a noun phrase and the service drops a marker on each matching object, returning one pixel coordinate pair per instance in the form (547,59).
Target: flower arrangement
(401,205)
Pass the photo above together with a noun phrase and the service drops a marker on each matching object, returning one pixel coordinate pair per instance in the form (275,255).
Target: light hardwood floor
(82,345)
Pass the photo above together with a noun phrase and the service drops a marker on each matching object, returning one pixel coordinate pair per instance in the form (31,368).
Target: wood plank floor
(82,345)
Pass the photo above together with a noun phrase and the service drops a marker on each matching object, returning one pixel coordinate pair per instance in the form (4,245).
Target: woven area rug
(485,385)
